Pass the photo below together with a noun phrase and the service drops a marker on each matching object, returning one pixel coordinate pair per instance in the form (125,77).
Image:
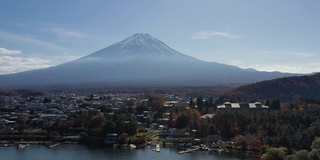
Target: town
(43,117)
(47,112)
(135,120)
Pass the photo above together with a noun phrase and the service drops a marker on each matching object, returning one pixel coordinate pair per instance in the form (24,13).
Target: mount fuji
(138,60)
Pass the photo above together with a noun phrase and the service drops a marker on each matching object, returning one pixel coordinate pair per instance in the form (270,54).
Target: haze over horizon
(264,35)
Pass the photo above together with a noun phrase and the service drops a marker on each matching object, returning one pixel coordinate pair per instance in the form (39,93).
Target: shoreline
(174,146)
(35,142)
(162,142)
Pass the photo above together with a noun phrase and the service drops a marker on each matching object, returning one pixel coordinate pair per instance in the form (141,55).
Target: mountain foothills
(285,89)
(140,60)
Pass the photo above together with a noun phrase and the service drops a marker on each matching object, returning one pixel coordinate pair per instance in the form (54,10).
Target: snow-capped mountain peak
(146,44)
(139,44)
(141,39)
(140,59)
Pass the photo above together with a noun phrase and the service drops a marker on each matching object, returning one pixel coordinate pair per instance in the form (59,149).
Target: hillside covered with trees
(285,89)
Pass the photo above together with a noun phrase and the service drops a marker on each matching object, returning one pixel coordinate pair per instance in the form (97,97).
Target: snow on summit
(139,44)
(140,39)
(146,44)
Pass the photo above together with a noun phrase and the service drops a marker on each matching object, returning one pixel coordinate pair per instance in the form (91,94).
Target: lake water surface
(80,152)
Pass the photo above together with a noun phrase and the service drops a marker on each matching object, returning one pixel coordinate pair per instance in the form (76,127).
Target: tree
(123,139)
(274,154)
(267,103)
(194,125)
(241,141)
(96,121)
(203,131)
(314,155)
(173,120)
(182,121)
(210,102)
(290,157)
(193,115)
(304,140)
(22,125)
(275,104)
(301,155)
(131,126)
(200,103)
(47,100)
(191,103)
(212,129)
(142,108)
(156,101)
(316,144)
(110,126)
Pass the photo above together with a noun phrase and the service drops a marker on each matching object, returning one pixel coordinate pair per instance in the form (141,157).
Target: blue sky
(268,35)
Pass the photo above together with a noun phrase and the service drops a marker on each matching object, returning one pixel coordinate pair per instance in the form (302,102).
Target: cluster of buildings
(41,111)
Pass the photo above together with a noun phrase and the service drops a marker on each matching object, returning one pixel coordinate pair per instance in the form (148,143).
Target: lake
(81,152)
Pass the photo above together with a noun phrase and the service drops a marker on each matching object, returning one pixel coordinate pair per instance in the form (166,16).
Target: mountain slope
(285,89)
(138,60)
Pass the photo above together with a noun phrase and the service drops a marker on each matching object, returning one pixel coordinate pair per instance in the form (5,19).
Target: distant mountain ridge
(138,60)
(285,89)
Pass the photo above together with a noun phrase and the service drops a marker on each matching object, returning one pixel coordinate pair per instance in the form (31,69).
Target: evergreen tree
(267,103)
(200,103)
(182,121)
(191,103)
(275,104)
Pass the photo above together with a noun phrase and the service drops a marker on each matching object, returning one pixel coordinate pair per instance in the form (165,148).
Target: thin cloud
(286,68)
(7,51)
(56,60)
(9,64)
(302,55)
(211,34)
(295,54)
(236,62)
(28,40)
(63,33)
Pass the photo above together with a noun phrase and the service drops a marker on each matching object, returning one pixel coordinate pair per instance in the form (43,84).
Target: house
(170,103)
(6,122)
(207,116)
(110,139)
(256,106)
(174,133)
